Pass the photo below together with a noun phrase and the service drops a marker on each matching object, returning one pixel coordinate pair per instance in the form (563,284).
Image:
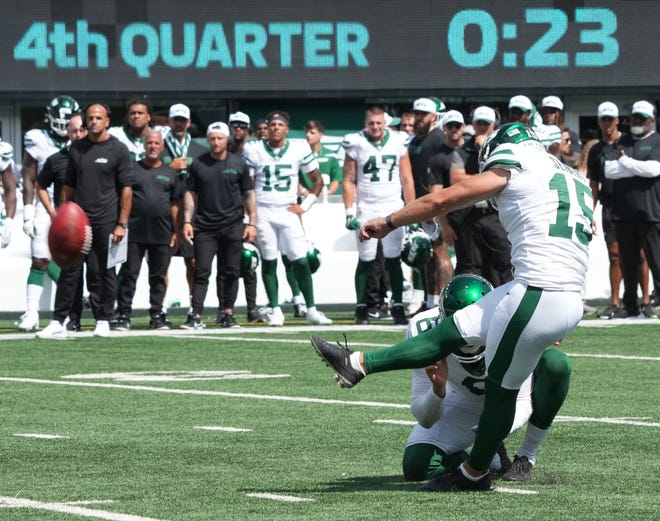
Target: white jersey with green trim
(40,145)
(275,170)
(135,145)
(546,210)
(6,156)
(377,176)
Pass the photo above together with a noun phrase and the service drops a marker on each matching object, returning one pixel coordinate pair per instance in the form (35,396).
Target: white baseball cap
(607,109)
(179,110)
(552,102)
(644,108)
(521,102)
(425,105)
(483,113)
(218,127)
(453,116)
(549,135)
(239,117)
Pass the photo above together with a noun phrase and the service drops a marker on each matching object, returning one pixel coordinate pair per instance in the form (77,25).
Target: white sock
(298,299)
(311,310)
(471,478)
(533,439)
(432,301)
(355,362)
(33,296)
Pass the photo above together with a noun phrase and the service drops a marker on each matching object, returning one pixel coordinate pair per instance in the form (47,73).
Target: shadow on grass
(354,484)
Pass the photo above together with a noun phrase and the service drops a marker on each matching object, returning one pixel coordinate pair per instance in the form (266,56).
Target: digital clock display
(327,49)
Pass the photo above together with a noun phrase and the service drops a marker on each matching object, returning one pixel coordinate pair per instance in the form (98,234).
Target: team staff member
(275,164)
(53,172)
(153,224)
(99,178)
(222,184)
(179,152)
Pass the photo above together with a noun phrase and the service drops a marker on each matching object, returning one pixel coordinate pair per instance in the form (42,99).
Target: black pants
(378,281)
(249,281)
(101,281)
(158,261)
(632,236)
(227,243)
(485,251)
(67,302)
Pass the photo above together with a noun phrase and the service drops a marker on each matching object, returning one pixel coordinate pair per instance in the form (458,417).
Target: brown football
(70,235)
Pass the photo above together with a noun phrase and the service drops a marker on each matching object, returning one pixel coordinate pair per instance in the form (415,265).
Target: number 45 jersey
(275,171)
(546,212)
(377,165)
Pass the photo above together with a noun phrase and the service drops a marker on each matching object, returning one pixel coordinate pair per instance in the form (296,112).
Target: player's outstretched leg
(338,358)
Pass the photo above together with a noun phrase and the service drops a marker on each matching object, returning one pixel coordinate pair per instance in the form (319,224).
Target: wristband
(187,222)
(307,203)
(250,224)
(389,223)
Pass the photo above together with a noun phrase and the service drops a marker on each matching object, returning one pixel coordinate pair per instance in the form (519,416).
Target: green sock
(551,380)
(361,278)
(269,276)
(393,267)
(290,276)
(494,424)
(53,271)
(304,277)
(36,277)
(418,351)
(418,279)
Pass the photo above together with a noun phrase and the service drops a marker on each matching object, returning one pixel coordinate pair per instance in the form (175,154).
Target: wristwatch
(123,225)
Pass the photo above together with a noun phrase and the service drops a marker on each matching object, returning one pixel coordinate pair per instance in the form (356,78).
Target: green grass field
(248,424)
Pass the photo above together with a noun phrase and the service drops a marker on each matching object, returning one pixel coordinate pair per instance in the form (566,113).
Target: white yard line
(219,428)
(41,436)
(637,422)
(279,497)
(66,508)
(521,491)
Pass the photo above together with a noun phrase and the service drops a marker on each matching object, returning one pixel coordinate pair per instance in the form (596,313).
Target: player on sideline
(39,145)
(448,397)
(545,209)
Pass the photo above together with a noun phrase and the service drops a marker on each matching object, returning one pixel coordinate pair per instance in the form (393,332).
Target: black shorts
(609,232)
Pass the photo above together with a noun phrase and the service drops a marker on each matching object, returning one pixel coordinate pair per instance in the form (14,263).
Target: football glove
(5,232)
(352,223)
(28,221)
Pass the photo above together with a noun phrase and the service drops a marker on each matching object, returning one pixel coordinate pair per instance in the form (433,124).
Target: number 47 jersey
(546,212)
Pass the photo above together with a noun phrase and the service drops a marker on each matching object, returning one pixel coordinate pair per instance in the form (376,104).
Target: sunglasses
(239,125)
(453,125)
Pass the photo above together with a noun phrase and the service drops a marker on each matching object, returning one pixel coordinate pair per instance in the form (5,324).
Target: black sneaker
(338,359)
(372,314)
(457,482)
(648,311)
(299,310)
(627,313)
(521,470)
(608,312)
(193,323)
(159,322)
(399,315)
(229,321)
(73,325)
(361,315)
(253,316)
(120,323)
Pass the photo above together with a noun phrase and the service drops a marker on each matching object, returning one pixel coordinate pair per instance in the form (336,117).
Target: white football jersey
(135,145)
(275,172)
(40,145)
(546,210)
(377,165)
(6,156)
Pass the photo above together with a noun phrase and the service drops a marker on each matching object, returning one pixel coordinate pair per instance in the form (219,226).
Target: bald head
(153,147)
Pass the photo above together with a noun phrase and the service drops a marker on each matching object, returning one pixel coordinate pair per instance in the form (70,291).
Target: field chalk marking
(278,497)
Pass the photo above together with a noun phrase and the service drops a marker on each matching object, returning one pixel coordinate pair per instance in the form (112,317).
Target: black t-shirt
(219,186)
(153,191)
(637,198)
(420,152)
(596,169)
(440,165)
(99,172)
(53,172)
(468,156)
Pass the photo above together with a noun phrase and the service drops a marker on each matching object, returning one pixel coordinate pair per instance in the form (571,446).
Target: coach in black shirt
(153,227)
(223,186)
(99,178)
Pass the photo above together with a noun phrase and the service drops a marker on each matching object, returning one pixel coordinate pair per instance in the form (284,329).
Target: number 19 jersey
(276,171)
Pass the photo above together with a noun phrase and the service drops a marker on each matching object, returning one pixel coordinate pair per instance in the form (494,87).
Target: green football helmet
(313,258)
(249,259)
(416,251)
(59,112)
(510,134)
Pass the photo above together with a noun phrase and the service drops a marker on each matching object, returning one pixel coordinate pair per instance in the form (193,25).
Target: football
(70,235)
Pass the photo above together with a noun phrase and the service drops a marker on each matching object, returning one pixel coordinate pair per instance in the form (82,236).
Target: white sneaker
(276,317)
(316,318)
(29,321)
(53,331)
(102,328)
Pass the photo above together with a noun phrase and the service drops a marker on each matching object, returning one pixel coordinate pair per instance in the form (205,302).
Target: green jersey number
(561,227)
(378,164)
(274,178)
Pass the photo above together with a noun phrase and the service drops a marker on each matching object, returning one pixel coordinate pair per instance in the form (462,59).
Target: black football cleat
(521,470)
(338,359)
(457,482)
